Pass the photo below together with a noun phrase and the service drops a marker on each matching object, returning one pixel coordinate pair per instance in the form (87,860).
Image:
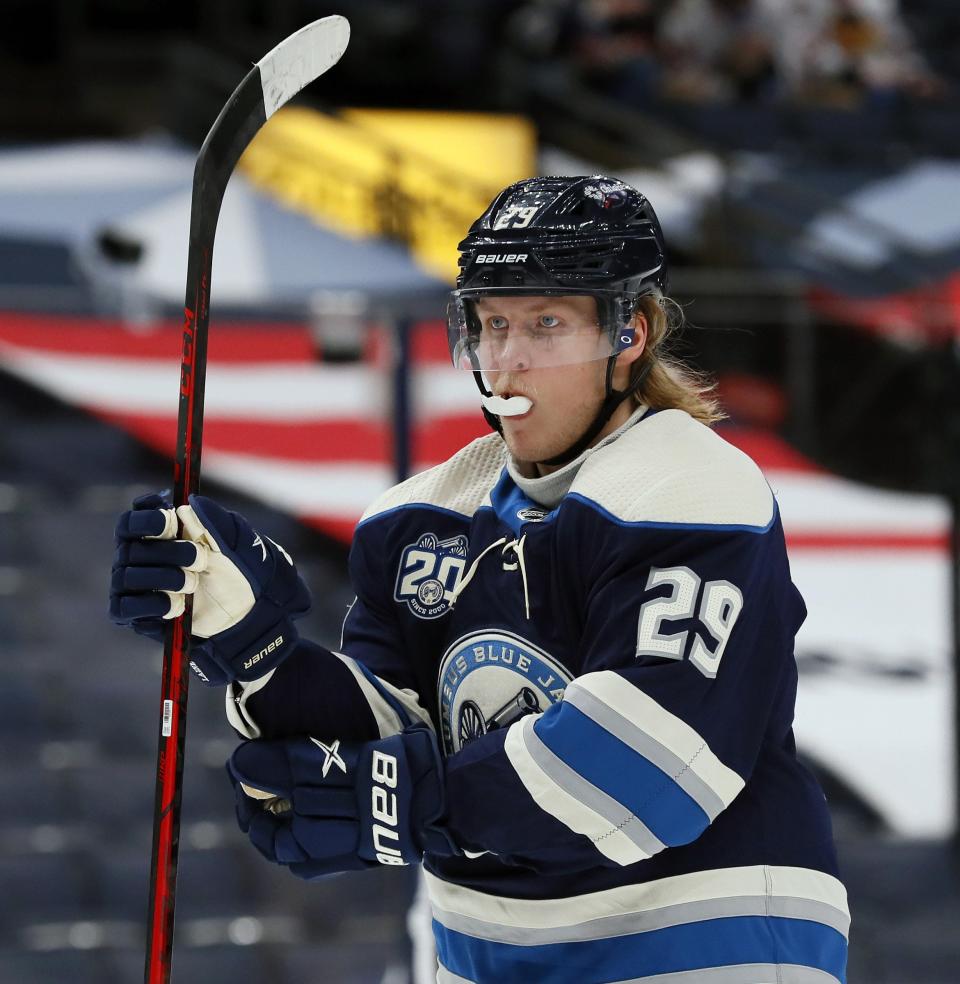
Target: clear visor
(511,330)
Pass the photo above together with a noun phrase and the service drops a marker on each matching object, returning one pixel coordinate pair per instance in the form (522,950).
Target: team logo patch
(532,514)
(490,679)
(607,194)
(429,571)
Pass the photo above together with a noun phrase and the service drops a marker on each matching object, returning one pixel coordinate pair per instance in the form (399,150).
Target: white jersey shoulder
(460,484)
(670,468)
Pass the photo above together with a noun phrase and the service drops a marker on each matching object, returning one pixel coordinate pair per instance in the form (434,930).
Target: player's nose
(514,355)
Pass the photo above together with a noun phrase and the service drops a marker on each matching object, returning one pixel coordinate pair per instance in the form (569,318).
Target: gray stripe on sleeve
(445,976)
(741,974)
(627,924)
(821,912)
(575,785)
(661,756)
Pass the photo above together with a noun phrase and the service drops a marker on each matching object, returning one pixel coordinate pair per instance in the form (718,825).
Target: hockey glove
(323,807)
(246,590)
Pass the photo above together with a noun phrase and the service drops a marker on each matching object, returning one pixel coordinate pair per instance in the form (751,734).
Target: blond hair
(669,384)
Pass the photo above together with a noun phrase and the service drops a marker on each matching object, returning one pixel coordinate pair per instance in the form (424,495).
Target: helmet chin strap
(611,401)
(485,396)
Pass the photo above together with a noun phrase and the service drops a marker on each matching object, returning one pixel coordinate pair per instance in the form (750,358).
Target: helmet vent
(579,259)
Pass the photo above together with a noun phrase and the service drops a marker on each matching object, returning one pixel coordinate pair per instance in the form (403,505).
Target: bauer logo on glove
(325,806)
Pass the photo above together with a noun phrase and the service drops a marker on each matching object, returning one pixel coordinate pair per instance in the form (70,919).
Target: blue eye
(549,320)
(497,323)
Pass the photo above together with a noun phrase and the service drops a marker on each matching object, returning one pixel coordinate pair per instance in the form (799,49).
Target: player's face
(566,389)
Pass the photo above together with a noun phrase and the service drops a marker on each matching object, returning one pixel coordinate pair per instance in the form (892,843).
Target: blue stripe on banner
(652,796)
(695,946)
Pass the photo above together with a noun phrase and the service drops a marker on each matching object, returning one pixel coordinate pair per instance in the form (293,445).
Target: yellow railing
(418,178)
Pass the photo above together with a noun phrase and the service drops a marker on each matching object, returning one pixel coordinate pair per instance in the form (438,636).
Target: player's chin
(517,443)
(519,432)
(525,446)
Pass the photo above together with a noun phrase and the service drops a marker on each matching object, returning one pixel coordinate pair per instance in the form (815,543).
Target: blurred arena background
(804,158)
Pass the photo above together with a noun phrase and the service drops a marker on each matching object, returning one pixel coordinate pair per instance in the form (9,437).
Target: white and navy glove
(246,590)
(320,807)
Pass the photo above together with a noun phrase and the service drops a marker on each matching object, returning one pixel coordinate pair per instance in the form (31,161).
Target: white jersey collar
(548,490)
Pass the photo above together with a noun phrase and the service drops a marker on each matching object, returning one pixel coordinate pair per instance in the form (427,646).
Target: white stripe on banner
(823,503)
(645,714)
(770,881)
(336,489)
(276,391)
(609,840)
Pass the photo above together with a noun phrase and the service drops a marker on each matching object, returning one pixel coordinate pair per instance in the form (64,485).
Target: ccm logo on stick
(384,805)
(263,652)
(501,258)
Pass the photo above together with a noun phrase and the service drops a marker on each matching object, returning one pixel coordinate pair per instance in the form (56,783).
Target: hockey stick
(278,76)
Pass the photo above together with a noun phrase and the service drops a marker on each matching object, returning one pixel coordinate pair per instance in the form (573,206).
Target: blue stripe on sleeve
(675,949)
(629,777)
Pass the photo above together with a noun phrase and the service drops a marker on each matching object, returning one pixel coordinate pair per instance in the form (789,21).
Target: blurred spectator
(856,51)
(824,52)
(718,51)
(544,29)
(615,47)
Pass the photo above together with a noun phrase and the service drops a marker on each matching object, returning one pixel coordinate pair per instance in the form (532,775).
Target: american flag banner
(314,437)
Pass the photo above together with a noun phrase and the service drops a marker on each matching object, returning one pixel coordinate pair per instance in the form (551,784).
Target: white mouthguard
(512,406)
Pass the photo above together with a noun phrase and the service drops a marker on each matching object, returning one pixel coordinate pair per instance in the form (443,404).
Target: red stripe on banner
(437,439)
(333,440)
(928,313)
(428,344)
(768,450)
(938,542)
(339,529)
(228,342)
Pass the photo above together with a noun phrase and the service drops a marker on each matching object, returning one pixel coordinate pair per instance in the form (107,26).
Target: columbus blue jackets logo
(608,195)
(490,679)
(429,571)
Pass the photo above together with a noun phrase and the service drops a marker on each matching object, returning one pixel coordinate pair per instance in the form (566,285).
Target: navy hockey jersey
(612,681)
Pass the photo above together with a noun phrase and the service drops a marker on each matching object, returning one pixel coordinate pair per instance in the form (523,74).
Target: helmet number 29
(515,217)
(715,604)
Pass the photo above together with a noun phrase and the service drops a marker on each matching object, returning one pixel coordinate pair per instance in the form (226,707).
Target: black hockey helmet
(582,233)
(591,235)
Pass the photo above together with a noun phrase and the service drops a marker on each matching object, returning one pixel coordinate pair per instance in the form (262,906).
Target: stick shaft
(175,674)
(236,125)
(278,76)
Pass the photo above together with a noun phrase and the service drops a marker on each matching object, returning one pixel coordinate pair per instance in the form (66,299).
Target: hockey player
(567,682)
